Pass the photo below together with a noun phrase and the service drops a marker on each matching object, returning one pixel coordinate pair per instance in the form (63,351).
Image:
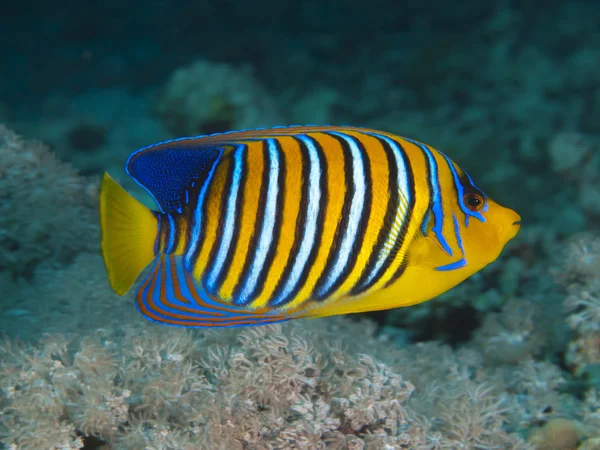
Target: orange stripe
(194,291)
(185,320)
(176,288)
(252,188)
(208,323)
(334,163)
(291,162)
(194,311)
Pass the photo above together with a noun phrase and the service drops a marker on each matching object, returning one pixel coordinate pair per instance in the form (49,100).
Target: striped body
(298,217)
(286,222)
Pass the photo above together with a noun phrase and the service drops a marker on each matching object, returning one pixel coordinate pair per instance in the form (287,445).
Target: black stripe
(409,215)
(342,225)
(258,223)
(429,211)
(398,273)
(388,219)
(165,227)
(222,212)
(222,216)
(159,226)
(194,198)
(238,221)
(177,235)
(300,223)
(279,208)
(323,204)
(362,224)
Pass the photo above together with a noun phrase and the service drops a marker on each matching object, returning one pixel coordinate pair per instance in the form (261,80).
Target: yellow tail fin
(129,231)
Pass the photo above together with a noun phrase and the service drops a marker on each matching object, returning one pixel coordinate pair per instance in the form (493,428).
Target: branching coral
(581,275)
(47,211)
(511,335)
(294,387)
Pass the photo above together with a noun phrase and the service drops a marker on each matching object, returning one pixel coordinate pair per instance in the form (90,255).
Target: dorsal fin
(167,169)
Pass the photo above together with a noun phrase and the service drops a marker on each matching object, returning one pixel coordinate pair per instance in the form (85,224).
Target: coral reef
(581,274)
(303,385)
(47,212)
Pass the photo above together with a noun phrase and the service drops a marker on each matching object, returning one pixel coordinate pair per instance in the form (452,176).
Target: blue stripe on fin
(169,295)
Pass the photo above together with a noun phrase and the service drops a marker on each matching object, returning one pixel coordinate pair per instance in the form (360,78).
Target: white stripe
(229,220)
(198,213)
(358,199)
(314,198)
(266,233)
(402,180)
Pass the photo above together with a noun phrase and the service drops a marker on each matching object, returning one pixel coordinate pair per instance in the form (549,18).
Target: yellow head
(453,231)
(460,231)
(483,241)
(463,229)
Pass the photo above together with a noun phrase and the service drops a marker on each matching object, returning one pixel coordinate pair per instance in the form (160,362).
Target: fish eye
(473,201)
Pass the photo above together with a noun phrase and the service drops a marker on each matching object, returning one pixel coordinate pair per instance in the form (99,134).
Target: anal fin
(171,296)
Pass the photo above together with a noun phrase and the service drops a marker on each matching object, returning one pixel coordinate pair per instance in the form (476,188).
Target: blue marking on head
(461,192)
(462,262)
(473,183)
(485,203)
(438,212)
(458,236)
(452,266)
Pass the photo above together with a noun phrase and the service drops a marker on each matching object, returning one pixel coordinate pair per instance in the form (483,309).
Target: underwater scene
(306,225)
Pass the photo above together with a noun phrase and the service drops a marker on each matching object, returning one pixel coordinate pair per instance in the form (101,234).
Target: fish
(262,226)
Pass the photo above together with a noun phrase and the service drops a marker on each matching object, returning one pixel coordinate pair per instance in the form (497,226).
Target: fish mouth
(513,230)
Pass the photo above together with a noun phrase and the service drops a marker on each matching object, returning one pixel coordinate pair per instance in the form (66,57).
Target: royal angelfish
(263,226)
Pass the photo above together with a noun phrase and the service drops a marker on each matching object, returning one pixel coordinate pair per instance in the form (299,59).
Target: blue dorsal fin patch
(168,169)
